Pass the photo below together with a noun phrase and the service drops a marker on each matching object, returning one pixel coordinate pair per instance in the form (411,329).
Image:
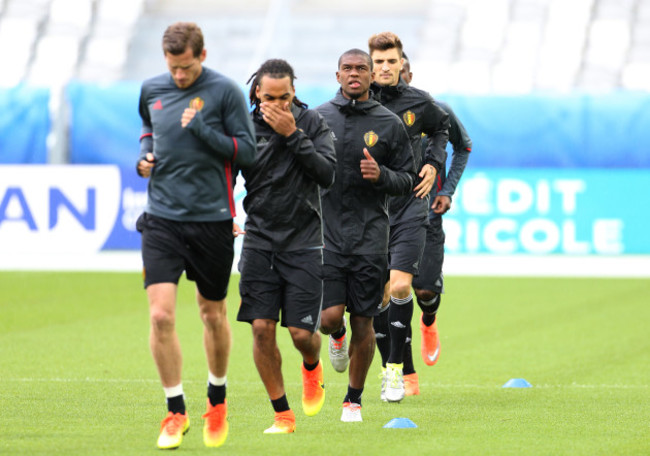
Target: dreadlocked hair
(276,69)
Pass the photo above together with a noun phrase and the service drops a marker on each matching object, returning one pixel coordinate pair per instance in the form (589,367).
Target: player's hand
(279,117)
(187,116)
(145,166)
(236,230)
(441,204)
(428,176)
(369,167)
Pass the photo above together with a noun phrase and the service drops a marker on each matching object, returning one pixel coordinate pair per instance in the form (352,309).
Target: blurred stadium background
(465,46)
(554,93)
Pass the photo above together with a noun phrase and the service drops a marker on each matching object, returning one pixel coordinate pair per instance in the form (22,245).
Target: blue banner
(84,209)
(557,131)
(532,131)
(540,211)
(104,124)
(24,124)
(133,198)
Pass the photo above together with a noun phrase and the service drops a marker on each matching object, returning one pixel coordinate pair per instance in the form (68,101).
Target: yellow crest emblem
(371,138)
(409,118)
(197,103)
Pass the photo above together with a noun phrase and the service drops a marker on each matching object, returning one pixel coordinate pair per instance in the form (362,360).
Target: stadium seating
(464,46)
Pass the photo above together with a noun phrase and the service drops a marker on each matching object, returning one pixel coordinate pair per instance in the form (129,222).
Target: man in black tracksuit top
(195,127)
(429,284)
(408,214)
(374,160)
(282,255)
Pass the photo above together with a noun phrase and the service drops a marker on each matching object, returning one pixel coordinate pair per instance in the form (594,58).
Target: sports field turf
(76,376)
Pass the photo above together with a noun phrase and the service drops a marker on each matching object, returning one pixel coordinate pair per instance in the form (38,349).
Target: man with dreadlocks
(282,255)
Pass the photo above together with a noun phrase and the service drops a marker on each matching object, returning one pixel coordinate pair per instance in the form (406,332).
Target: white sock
(216,381)
(174,391)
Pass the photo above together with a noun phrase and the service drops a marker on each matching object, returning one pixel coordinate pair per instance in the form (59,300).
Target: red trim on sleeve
(231,197)
(234,140)
(145,135)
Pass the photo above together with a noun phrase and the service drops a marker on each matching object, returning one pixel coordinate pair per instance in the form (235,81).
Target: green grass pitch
(77,378)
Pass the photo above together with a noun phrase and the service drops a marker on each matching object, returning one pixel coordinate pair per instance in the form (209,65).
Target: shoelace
(394,379)
(214,417)
(173,423)
(284,420)
(352,407)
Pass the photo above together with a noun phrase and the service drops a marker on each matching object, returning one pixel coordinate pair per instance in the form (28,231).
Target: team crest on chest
(409,118)
(371,138)
(197,103)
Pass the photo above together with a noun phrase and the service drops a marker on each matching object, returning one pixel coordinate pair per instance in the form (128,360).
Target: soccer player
(374,160)
(428,285)
(195,126)
(408,214)
(282,255)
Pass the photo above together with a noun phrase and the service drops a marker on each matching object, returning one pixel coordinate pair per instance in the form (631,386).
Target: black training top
(355,211)
(283,209)
(420,115)
(462,146)
(192,176)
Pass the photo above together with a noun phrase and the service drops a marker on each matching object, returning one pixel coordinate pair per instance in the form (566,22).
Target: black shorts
(406,246)
(282,283)
(204,250)
(430,276)
(354,280)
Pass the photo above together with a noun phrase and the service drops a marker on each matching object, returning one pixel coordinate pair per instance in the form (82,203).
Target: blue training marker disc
(517,383)
(400,423)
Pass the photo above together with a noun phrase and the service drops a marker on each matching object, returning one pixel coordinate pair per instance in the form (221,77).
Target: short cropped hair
(356,52)
(181,35)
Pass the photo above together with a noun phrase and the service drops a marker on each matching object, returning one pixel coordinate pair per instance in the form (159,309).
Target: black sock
(382,335)
(176,404)
(428,319)
(280,404)
(338,334)
(429,310)
(354,395)
(216,394)
(400,313)
(310,367)
(409,368)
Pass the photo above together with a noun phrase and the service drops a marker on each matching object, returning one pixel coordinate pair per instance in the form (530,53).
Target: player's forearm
(316,156)
(456,169)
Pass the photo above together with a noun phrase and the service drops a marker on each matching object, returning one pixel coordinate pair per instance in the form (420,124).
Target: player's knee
(213,313)
(301,338)
(330,325)
(263,331)
(331,320)
(400,288)
(161,320)
(429,301)
(425,295)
